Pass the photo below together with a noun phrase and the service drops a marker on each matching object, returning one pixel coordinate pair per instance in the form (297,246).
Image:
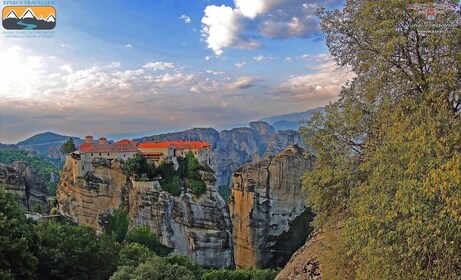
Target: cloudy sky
(130,66)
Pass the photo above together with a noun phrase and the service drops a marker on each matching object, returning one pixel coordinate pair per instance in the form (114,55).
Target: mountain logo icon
(29,17)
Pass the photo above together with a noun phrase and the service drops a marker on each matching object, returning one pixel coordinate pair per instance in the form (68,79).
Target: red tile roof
(107,148)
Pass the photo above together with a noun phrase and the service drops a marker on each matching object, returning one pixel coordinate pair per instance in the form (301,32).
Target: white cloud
(67,68)
(67,46)
(159,65)
(129,46)
(243,82)
(240,64)
(221,27)
(207,58)
(242,25)
(323,84)
(259,58)
(185,18)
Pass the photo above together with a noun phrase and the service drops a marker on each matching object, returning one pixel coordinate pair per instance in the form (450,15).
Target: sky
(118,67)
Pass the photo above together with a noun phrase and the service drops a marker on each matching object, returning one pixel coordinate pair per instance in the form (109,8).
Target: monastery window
(108,154)
(124,155)
(99,154)
(91,154)
(83,167)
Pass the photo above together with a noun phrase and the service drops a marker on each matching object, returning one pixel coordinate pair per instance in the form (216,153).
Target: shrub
(144,236)
(117,225)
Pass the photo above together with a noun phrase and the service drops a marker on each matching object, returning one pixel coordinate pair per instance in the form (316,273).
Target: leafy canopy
(388,151)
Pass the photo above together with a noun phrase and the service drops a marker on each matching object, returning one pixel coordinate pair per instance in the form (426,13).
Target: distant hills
(47,144)
(291,121)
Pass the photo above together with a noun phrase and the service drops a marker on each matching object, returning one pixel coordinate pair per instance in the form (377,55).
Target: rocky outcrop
(20,179)
(209,135)
(308,263)
(83,198)
(283,139)
(198,227)
(269,216)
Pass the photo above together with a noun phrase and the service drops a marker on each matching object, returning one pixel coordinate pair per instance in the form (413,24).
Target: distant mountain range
(47,144)
(28,21)
(291,121)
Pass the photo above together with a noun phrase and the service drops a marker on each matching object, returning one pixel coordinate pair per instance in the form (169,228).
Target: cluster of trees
(60,250)
(172,181)
(389,150)
(41,166)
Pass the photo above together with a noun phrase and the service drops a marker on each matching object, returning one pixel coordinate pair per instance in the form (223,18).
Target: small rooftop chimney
(88,139)
(102,140)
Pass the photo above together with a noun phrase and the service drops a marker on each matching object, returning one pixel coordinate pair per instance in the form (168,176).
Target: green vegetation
(139,166)
(170,181)
(187,175)
(389,151)
(240,274)
(144,236)
(224,192)
(117,226)
(41,166)
(54,250)
(17,260)
(68,147)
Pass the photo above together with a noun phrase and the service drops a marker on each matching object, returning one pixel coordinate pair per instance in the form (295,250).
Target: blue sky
(130,66)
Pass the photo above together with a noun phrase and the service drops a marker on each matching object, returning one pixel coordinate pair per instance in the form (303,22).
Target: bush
(197,186)
(153,269)
(144,236)
(117,225)
(139,165)
(240,274)
(133,254)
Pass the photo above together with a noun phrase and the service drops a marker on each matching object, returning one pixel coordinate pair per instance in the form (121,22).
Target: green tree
(388,151)
(67,251)
(68,147)
(144,236)
(196,184)
(132,254)
(17,260)
(154,269)
(117,226)
(139,165)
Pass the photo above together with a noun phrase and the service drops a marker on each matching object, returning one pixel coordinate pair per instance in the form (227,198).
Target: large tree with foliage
(68,147)
(17,260)
(388,152)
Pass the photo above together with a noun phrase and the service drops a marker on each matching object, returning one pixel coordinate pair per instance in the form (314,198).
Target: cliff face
(21,180)
(281,140)
(269,216)
(85,198)
(196,227)
(236,147)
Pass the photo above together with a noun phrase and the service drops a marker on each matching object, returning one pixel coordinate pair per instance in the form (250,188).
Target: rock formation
(231,148)
(196,227)
(21,180)
(283,139)
(267,207)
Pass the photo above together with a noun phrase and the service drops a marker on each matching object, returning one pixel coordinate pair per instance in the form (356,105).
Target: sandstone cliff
(21,180)
(199,228)
(283,139)
(268,212)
